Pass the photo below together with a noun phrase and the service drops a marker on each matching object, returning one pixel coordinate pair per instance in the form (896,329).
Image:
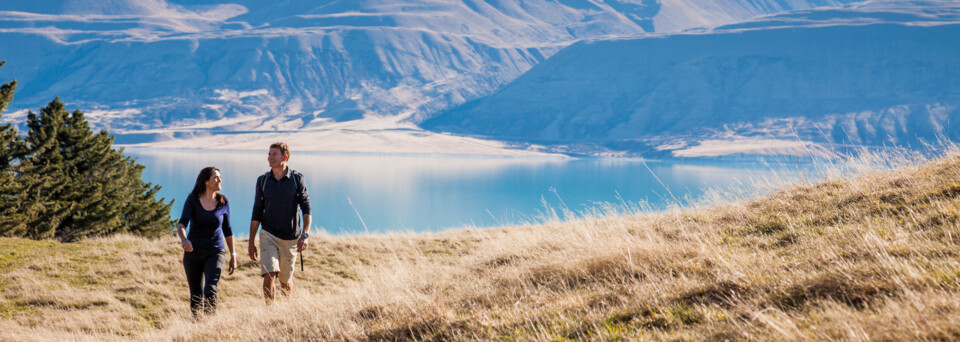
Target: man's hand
(252,250)
(301,244)
(187,246)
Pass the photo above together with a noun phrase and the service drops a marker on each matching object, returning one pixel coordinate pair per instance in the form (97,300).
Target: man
(280,192)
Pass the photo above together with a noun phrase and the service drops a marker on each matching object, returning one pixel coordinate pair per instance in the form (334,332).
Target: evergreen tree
(7,134)
(73,184)
(8,146)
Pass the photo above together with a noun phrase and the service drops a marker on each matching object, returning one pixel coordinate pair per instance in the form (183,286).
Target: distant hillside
(249,65)
(880,73)
(866,258)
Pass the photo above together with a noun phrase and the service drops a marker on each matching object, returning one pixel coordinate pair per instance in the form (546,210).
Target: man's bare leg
(286,288)
(268,292)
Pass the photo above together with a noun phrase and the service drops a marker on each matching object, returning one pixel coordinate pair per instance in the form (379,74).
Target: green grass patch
(16,252)
(9,308)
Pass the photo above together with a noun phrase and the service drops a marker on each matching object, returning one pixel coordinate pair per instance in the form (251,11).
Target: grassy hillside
(869,258)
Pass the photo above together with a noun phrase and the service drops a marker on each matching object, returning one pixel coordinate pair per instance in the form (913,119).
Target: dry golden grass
(868,258)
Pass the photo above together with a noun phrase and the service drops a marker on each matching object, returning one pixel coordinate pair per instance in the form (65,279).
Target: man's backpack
(262,185)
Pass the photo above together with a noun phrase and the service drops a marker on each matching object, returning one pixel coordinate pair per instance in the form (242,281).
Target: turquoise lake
(389,193)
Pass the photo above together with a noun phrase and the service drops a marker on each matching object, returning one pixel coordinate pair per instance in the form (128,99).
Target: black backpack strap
(262,184)
(297,178)
(299,185)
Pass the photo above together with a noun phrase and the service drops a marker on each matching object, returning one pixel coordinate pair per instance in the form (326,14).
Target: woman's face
(213,184)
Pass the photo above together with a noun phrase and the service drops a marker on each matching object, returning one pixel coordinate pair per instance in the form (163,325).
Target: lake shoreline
(434,193)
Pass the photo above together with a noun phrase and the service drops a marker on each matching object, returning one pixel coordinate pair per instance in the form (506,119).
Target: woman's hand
(187,246)
(233,264)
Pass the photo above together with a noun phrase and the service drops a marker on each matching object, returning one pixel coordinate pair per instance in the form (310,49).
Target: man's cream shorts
(277,255)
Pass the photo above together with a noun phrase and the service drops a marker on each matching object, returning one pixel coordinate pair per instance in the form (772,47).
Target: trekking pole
(301,261)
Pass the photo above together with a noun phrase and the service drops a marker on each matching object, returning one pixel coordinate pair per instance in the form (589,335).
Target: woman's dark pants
(203,267)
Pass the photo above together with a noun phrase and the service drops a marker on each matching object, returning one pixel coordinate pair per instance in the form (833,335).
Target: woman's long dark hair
(201,185)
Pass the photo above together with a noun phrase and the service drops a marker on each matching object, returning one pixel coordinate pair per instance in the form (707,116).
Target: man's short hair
(283,149)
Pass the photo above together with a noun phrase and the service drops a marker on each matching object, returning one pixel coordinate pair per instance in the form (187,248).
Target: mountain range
(636,75)
(873,74)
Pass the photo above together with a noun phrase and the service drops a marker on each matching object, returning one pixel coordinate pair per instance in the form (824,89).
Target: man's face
(275,157)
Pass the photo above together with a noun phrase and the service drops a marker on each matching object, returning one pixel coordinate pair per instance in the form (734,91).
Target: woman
(208,213)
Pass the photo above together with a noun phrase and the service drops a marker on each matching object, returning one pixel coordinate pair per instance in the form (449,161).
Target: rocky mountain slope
(878,73)
(251,66)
